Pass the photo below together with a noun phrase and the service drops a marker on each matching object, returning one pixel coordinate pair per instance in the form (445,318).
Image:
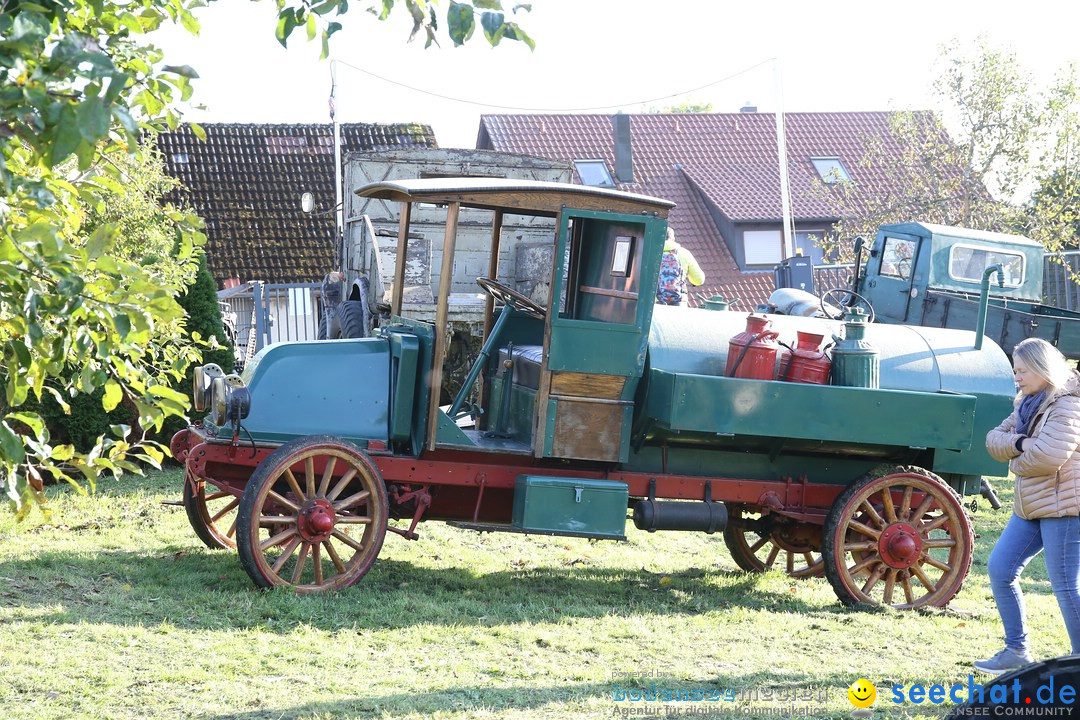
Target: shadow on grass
(208,590)
(749,690)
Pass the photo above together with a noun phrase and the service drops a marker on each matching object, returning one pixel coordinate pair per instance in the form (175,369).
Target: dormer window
(830,169)
(594,172)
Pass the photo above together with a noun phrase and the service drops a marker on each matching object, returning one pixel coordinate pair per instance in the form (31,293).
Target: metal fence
(827,277)
(267,313)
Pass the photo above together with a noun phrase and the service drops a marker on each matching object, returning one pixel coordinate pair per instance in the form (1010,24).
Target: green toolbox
(570,506)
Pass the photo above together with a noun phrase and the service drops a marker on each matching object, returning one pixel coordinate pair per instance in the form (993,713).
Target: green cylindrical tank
(704,418)
(855,360)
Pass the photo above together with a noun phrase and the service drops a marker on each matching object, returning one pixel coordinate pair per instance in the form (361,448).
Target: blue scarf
(1026,411)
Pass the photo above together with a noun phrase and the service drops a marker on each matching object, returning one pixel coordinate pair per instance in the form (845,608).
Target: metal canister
(716,302)
(754,353)
(809,363)
(855,360)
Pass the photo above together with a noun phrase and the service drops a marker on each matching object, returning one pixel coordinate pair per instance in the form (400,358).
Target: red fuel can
(754,353)
(809,363)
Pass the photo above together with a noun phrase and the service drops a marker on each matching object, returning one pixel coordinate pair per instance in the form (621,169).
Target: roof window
(594,172)
(180,158)
(830,169)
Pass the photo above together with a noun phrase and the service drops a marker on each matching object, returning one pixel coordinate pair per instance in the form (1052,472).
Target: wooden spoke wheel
(761,542)
(901,539)
(212,514)
(313,516)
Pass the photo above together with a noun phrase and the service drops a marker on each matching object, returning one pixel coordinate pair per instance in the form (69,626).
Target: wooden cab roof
(525,197)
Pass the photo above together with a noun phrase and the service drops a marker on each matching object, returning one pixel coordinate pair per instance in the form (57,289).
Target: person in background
(677,267)
(1039,439)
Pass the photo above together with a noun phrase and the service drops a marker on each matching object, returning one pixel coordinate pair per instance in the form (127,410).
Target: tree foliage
(462,20)
(998,154)
(687,106)
(88,289)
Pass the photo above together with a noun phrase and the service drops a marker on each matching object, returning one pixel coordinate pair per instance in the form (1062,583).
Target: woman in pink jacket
(1039,439)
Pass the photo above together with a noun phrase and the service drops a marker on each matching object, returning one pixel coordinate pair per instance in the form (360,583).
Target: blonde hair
(1044,360)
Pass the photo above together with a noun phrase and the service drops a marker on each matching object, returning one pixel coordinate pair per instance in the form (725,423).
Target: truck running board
(504,527)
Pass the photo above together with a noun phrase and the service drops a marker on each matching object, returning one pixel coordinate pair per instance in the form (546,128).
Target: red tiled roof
(245,181)
(726,160)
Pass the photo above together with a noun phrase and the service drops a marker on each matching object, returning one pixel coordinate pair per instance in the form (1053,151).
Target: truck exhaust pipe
(706,516)
(984,300)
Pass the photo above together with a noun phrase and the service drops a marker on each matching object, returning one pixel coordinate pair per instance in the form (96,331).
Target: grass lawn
(114,609)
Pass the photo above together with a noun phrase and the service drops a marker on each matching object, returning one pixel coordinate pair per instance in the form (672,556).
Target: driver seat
(528,360)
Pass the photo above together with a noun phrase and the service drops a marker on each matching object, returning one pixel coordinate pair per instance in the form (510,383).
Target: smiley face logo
(862,693)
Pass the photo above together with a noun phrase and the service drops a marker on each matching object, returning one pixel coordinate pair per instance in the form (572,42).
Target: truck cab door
(893,275)
(604,290)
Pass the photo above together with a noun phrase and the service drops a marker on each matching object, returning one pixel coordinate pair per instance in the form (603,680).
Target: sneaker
(1006,660)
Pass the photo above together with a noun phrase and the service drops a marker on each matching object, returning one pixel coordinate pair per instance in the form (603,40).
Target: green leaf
(30,420)
(181,70)
(11,447)
(93,118)
(324,7)
(514,32)
(60,453)
(123,325)
(494,25)
(113,395)
(101,240)
(60,399)
(197,130)
(154,455)
(460,22)
(488,4)
(286,24)
(190,23)
(68,136)
(70,285)
(311,27)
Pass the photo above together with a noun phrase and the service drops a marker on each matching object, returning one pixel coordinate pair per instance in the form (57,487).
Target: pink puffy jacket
(1047,473)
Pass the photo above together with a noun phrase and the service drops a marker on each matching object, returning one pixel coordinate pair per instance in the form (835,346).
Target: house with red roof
(245,180)
(722,171)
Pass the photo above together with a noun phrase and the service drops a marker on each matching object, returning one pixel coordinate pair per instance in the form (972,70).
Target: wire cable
(553,110)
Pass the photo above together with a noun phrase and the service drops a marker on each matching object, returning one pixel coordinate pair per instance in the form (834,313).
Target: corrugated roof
(726,160)
(245,181)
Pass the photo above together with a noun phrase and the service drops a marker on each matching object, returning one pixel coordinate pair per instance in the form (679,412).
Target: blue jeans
(1019,543)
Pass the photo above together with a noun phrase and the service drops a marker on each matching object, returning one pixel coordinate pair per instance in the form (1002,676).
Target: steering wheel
(511,297)
(854,299)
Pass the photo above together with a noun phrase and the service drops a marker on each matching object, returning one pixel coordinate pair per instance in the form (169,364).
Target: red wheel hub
(900,545)
(316,520)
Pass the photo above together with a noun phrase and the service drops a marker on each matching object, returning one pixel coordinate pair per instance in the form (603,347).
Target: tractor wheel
(757,541)
(901,539)
(352,316)
(212,515)
(313,516)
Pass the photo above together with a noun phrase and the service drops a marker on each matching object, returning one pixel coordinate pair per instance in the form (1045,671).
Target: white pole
(787,248)
(339,214)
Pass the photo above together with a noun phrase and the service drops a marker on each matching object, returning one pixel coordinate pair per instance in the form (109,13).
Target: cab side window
(605,280)
(897,257)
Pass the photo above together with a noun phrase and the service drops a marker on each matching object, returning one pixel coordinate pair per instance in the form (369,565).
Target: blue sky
(612,54)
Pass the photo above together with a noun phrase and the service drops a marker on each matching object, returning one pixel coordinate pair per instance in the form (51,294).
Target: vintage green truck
(930,275)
